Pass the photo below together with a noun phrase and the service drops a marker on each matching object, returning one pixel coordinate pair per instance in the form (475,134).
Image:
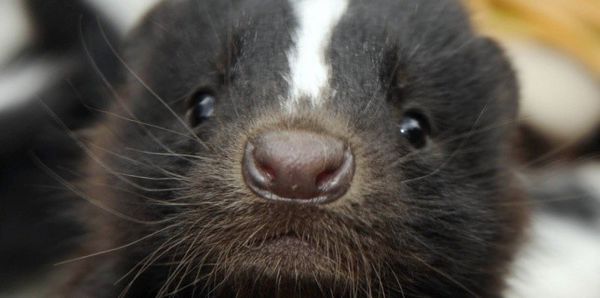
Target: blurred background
(555,48)
(55,55)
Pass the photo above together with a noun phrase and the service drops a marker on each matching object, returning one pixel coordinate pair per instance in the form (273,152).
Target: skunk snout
(298,167)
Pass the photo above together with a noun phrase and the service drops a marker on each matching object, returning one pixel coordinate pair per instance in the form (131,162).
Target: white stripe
(309,72)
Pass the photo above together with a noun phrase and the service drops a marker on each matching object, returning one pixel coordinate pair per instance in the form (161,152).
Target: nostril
(336,181)
(325,177)
(267,171)
(255,173)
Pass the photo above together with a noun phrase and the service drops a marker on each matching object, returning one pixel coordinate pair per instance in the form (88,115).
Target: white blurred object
(15,29)
(590,176)
(125,13)
(562,259)
(18,85)
(559,97)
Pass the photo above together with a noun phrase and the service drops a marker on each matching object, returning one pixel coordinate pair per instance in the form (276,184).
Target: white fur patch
(15,29)
(561,260)
(309,72)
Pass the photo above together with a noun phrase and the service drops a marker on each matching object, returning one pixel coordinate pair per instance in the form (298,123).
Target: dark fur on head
(441,221)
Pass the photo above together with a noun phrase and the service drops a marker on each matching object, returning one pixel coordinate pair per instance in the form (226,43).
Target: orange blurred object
(571,26)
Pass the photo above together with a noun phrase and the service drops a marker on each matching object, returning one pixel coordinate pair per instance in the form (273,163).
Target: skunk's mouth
(285,253)
(285,265)
(288,245)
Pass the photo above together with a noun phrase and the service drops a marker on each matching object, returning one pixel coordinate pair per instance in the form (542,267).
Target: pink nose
(298,166)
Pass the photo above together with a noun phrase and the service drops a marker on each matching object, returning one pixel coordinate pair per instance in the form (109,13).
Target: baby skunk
(310,148)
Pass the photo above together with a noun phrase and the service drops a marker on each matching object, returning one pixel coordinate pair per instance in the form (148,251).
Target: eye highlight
(202,108)
(415,128)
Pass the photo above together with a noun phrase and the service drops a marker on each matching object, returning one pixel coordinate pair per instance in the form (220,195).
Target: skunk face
(309,148)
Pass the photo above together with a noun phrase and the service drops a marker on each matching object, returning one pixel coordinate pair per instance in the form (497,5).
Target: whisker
(135,121)
(107,251)
(546,156)
(79,193)
(171,154)
(452,155)
(446,276)
(95,158)
(186,259)
(152,200)
(149,260)
(398,283)
(150,90)
(116,94)
(137,162)
(460,137)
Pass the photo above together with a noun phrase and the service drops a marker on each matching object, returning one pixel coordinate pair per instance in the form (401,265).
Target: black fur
(438,222)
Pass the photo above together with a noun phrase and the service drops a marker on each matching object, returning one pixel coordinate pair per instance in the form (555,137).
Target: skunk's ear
(508,87)
(150,30)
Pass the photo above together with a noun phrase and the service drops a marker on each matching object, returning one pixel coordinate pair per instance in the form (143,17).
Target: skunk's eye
(202,107)
(415,128)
